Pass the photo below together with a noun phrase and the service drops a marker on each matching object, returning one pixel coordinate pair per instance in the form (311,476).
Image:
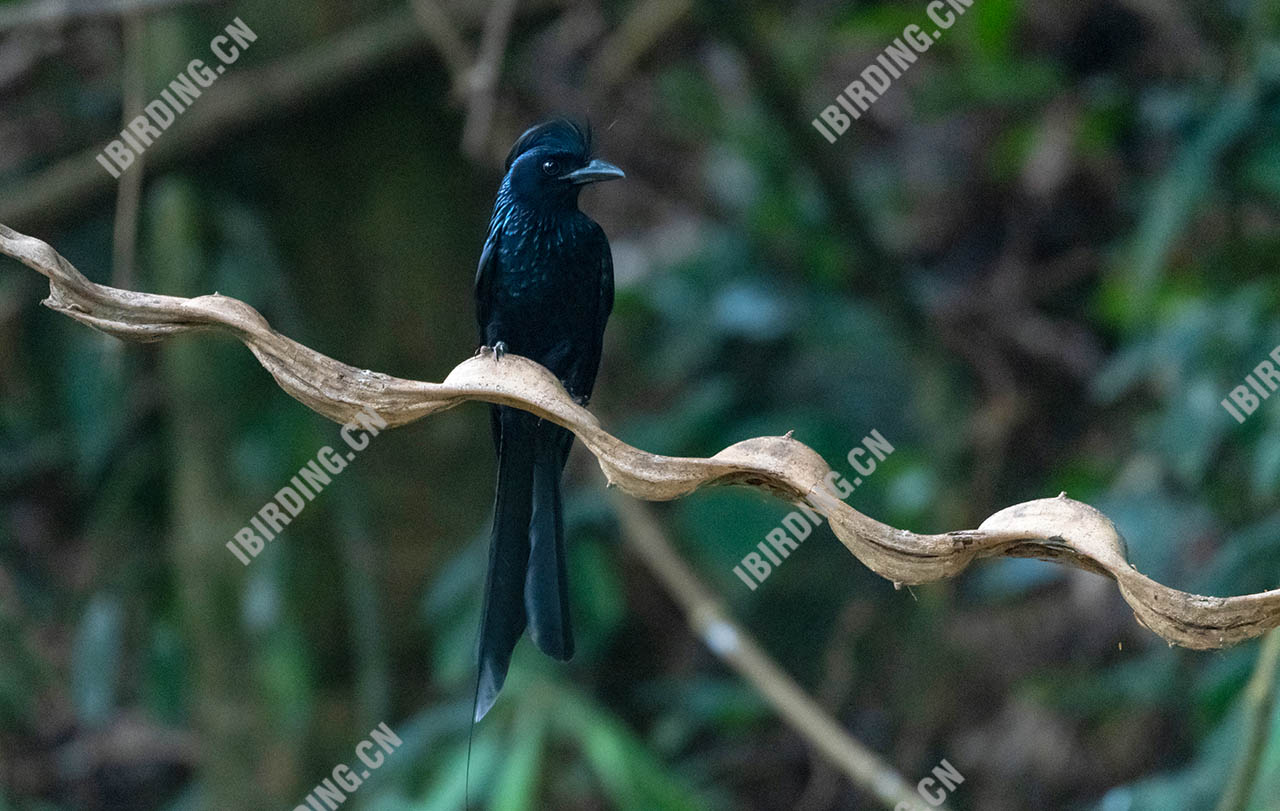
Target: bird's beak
(594,171)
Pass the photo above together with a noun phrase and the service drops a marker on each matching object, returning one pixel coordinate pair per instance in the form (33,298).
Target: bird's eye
(551,167)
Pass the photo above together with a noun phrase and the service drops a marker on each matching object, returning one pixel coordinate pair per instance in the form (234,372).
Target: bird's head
(550,163)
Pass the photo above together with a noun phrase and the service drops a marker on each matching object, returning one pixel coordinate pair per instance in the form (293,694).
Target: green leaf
(632,776)
(449,790)
(517,783)
(95,660)
(1177,195)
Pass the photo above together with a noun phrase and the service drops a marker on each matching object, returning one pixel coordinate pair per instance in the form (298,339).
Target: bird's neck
(516,202)
(541,215)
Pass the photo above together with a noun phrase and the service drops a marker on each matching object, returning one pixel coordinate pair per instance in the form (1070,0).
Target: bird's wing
(590,360)
(606,288)
(485,272)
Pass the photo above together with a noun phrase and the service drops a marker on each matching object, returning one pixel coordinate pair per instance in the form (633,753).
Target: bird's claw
(499,349)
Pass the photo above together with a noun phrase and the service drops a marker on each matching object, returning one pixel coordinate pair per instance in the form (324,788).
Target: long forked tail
(527,583)
(502,617)
(546,585)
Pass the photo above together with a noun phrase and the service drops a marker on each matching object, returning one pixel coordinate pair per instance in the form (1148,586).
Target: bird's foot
(582,400)
(499,349)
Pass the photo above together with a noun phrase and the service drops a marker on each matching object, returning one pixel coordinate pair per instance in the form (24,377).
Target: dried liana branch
(1058,529)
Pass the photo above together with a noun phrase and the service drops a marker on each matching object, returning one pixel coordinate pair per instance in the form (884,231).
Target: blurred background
(1036,265)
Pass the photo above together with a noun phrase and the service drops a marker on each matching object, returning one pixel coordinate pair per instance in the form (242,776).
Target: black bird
(544,290)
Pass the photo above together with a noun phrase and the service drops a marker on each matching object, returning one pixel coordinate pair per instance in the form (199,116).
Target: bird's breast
(549,263)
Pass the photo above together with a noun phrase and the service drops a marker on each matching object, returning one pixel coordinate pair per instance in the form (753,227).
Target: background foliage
(1036,266)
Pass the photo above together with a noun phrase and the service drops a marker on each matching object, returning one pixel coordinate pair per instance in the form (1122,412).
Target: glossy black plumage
(544,290)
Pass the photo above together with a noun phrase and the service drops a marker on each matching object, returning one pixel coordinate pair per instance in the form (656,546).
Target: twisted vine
(1056,529)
